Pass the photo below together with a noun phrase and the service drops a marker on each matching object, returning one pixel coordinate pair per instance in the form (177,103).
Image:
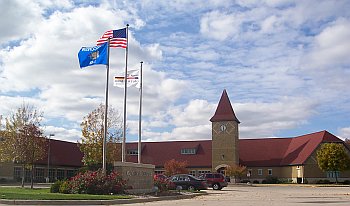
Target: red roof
(224,111)
(252,152)
(281,151)
(64,154)
(158,153)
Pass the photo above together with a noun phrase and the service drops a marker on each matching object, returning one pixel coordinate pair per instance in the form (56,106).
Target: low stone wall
(139,176)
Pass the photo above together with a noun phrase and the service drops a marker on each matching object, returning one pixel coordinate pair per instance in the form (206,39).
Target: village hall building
(291,159)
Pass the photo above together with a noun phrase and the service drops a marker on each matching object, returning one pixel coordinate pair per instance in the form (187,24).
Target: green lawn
(16,193)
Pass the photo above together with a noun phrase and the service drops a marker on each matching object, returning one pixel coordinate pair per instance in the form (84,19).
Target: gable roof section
(282,151)
(158,153)
(224,111)
(303,146)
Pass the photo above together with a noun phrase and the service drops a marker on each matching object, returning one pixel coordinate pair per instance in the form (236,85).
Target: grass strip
(17,193)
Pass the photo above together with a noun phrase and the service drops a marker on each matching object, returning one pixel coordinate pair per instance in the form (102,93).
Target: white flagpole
(125,92)
(140,115)
(104,146)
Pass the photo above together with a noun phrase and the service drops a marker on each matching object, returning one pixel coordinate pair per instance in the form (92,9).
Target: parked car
(215,180)
(187,182)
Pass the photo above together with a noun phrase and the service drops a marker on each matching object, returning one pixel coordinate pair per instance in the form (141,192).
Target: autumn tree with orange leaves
(173,167)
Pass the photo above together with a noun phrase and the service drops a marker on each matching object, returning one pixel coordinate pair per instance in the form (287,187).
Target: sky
(284,64)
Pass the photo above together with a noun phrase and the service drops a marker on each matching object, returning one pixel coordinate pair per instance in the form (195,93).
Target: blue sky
(285,64)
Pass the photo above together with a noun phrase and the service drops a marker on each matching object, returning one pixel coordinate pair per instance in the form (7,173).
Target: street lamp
(48,159)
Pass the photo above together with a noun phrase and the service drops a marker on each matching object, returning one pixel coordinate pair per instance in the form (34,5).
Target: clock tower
(224,135)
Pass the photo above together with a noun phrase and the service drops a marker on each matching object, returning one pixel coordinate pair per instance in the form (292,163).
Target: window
(260,172)
(17,173)
(39,174)
(269,171)
(202,172)
(192,172)
(159,172)
(133,152)
(60,174)
(183,178)
(52,175)
(188,151)
(332,174)
(71,173)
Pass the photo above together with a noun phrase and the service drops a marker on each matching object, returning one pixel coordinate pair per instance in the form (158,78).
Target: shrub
(55,187)
(64,187)
(270,180)
(162,184)
(94,182)
(346,182)
(285,181)
(3,180)
(256,182)
(325,181)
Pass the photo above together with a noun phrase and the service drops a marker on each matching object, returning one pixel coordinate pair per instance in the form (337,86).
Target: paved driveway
(266,195)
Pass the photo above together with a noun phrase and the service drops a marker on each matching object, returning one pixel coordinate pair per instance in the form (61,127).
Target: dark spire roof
(224,111)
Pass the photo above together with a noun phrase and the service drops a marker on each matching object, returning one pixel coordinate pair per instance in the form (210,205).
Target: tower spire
(224,111)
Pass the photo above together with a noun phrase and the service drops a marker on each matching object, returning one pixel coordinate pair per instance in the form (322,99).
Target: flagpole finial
(127,25)
(141,62)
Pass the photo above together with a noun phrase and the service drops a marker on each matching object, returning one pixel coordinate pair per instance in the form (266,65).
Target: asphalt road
(266,195)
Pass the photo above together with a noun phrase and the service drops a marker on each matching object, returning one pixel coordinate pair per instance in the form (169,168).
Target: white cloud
(15,25)
(258,119)
(46,66)
(344,133)
(260,51)
(196,112)
(331,47)
(219,26)
(71,135)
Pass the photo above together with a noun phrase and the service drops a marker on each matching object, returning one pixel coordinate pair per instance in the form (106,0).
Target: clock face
(223,127)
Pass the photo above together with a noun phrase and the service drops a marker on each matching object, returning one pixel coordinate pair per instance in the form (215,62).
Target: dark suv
(215,180)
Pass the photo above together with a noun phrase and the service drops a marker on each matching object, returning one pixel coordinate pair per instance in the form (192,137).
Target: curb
(97,202)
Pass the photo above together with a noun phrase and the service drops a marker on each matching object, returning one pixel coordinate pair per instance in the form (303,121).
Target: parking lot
(267,195)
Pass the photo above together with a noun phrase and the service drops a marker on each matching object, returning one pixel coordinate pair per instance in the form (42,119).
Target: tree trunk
(336,177)
(23,175)
(32,178)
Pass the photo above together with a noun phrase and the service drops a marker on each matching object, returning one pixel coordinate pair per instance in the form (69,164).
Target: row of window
(191,172)
(260,172)
(40,174)
(185,151)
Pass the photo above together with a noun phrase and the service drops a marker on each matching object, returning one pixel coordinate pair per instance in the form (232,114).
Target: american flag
(118,38)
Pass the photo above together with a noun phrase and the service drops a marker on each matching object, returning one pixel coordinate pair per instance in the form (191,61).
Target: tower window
(188,151)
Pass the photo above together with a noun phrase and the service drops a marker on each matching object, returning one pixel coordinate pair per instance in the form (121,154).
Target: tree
(332,157)
(173,167)
(23,141)
(92,137)
(237,171)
